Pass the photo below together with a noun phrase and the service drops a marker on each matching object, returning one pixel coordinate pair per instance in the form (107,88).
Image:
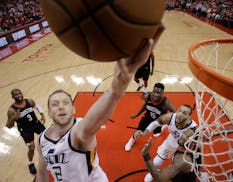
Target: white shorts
(168,143)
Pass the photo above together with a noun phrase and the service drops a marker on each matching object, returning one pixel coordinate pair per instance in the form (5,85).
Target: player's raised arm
(103,108)
(84,133)
(162,120)
(42,173)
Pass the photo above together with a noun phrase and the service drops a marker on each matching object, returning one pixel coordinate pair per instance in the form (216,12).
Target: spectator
(16,13)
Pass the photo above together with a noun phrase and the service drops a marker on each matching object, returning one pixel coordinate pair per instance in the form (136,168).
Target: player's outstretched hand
(147,146)
(138,133)
(133,116)
(125,68)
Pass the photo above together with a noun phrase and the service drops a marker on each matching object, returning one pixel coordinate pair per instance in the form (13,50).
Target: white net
(213,139)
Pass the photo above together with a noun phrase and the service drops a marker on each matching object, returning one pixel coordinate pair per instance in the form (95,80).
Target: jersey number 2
(57,172)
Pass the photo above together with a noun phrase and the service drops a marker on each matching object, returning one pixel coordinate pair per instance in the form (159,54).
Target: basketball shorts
(169,142)
(28,133)
(143,73)
(145,121)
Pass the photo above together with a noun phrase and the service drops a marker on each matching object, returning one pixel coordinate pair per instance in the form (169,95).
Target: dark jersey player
(179,170)
(155,105)
(22,113)
(144,72)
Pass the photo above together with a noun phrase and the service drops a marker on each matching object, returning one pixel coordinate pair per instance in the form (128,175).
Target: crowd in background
(17,13)
(220,11)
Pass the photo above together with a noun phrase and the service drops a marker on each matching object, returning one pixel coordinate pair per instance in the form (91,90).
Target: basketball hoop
(211,62)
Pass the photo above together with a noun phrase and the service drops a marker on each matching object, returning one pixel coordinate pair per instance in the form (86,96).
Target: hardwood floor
(38,73)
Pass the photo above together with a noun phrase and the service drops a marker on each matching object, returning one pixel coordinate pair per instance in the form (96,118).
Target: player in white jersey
(79,138)
(177,123)
(61,156)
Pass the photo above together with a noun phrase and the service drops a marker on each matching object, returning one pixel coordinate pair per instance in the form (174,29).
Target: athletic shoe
(148,178)
(139,88)
(129,144)
(32,168)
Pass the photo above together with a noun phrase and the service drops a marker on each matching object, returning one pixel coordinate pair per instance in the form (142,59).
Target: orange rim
(215,81)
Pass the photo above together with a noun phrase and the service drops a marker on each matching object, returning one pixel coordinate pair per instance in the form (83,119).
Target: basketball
(103,30)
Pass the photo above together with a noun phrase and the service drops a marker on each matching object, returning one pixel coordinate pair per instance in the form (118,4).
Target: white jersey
(176,132)
(174,135)
(67,164)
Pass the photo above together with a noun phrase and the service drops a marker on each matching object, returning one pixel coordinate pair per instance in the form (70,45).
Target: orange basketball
(103,30)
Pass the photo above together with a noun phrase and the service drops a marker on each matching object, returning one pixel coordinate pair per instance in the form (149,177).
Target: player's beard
(180,122)
(19,99)
(157,98)
(63,121)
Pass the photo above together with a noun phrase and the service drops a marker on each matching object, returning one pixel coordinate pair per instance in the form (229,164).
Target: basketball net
(211,62)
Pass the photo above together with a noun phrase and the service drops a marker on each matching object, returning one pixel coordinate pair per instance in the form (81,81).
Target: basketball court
(45,65)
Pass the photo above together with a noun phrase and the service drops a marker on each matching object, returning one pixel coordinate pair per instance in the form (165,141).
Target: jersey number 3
(29,117)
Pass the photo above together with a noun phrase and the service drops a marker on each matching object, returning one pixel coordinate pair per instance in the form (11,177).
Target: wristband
(146,157)
(38,108)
